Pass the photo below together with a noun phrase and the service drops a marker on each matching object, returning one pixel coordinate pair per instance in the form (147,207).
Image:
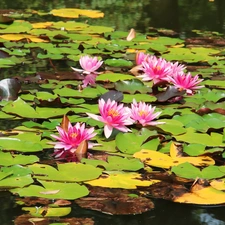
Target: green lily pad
(194,121)
(86,93)
(20,108)
(17,27)
(118,63)
(113,77)
(18,176)
(81,172)
(116,163)
(191,136)
(194,149)
(172,126)
(132,142)
(128,98)
(186,170)
(49,212)
(132,86)
(7,159)
(15,144)
(53,190)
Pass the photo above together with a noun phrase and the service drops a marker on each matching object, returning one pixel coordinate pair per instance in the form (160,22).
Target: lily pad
(81,172)
(53,190)
(121,180)
(116,163)
(132,86)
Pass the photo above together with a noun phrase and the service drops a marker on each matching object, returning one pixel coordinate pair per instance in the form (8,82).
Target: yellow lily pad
(121,180)
(18,37)
(218,184)
(41,25)
(158,159)
(203,196)
(75,13)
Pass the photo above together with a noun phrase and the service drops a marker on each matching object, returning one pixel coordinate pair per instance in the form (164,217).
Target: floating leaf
(118,63)
(47,212)
(121,180)
(20,108)
(7,159)
(132,86)
(187,170)
(158,159)
(113,77)
(124,202)
(41,25)
(17,176)
(18,37)
(128,98)
(116,163)
(17,27)
(75,13)
(132,142)
(191,136)
(172,126)
(68,191)
(15,144)
(202,195)
(81,172)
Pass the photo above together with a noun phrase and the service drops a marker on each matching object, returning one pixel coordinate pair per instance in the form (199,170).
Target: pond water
(182,16)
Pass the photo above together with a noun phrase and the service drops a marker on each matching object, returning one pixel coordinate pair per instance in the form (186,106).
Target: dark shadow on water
(165,213)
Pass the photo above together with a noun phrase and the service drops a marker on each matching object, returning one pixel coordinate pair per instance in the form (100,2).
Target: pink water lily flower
(89,64)
(186,82)
(113,115)
(144,113)
(177,68)
(68,141)
(141,57)
(156,69)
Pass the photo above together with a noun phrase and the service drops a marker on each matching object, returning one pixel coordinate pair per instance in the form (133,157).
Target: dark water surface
(180,15)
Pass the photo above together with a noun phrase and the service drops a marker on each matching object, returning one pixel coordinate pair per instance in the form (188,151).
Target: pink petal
(108,130)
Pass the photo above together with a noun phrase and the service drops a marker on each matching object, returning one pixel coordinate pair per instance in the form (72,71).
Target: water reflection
(165,213)
(179,15)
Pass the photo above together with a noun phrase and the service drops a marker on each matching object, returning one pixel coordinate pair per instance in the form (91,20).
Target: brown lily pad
(28,220)
(61,75)
(115,202)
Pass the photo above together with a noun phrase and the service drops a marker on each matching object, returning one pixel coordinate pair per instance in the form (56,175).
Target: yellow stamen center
(158,68)
(113,113)
(73,135)
(142,113)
